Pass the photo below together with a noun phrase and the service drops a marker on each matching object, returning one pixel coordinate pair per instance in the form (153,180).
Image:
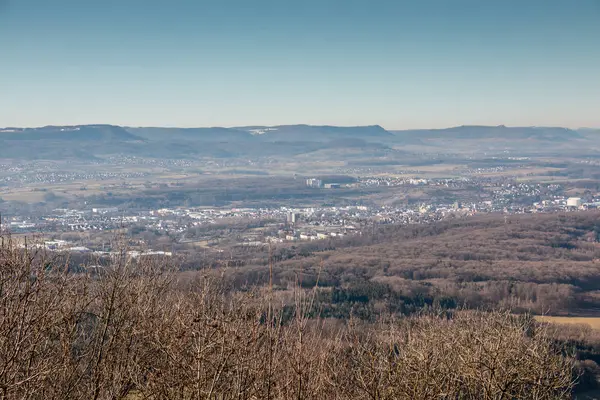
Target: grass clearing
(593,322)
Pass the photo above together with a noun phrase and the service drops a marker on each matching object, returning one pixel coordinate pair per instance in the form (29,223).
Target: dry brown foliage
(129,330)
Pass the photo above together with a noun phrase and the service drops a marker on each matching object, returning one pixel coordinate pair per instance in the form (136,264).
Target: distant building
(308,236)
(80,249)
(332,186)
(292,218)
(110,210)
(314,183)
(137,254)
(574,202)
(55,244)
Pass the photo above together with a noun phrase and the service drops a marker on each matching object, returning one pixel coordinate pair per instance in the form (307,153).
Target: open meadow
(592,322)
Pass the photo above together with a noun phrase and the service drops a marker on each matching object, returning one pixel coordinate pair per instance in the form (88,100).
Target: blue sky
(401,64)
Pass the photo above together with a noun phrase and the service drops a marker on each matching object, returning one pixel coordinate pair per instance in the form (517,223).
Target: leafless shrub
(474,355)
(129,330)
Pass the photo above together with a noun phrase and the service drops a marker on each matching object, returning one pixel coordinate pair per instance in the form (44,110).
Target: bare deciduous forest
(543,264)
(135,329)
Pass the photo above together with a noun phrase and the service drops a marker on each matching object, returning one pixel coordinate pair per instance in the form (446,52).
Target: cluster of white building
(65,246)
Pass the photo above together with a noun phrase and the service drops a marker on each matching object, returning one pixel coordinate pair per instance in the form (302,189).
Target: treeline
(135,329)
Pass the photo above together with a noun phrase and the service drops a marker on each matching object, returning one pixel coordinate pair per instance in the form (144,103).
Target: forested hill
(88,141)
(540,263)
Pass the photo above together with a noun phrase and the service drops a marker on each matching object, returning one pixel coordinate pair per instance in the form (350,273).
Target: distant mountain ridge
(215,134)
(87,141)
(316,133)
(283,133)
(286,133)
(105,133)
(474,132)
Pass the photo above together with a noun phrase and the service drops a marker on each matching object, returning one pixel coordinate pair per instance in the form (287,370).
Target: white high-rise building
(574,202)
(314,183)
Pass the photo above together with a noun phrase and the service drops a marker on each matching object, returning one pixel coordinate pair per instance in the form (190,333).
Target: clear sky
(400,64)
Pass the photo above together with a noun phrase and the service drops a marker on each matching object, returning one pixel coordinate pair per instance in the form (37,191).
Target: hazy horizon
(296,124)
(398,64)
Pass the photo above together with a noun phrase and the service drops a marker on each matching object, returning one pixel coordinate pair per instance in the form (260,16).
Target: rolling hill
(311,133)
(102,133)
(85,141)
(215,134)
(492,132)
